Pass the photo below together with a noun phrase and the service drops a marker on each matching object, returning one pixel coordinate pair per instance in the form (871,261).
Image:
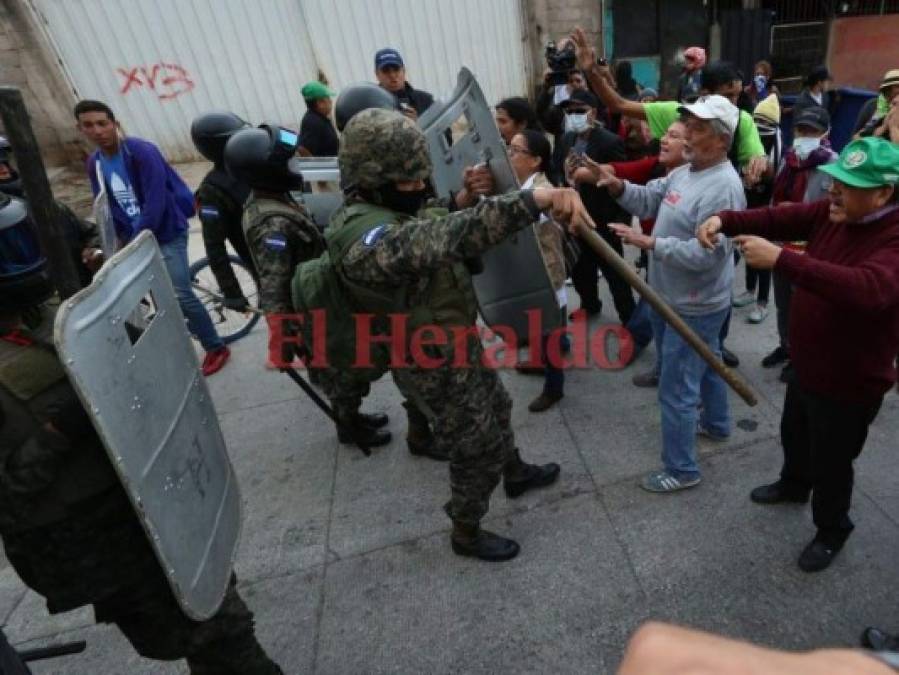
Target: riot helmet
(381,148)
(265,158)
(24,278)
(9,177)
(359,97)
(211,131)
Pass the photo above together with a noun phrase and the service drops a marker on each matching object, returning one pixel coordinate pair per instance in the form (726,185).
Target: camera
(560,62)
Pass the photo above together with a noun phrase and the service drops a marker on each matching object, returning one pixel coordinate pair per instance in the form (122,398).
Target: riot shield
(124,344)
(319,204)
(515,279)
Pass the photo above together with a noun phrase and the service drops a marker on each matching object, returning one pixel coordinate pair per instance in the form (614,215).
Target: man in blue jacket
(145,193)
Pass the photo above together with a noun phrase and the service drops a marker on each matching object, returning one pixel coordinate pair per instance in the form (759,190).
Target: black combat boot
(374,420)
(473,542)
(357,431)
(419,438)
(519,476)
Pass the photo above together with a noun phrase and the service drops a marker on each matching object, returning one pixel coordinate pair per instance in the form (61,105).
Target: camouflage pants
(225,644)
(345,390)
(471,414)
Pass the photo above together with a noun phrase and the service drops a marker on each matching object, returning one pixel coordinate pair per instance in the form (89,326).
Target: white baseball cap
(714,107)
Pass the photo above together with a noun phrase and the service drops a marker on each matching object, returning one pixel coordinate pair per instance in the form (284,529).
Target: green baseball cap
(312,91)
(866,163)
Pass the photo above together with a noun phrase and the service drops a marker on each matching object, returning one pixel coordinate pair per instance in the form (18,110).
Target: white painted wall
(159,63)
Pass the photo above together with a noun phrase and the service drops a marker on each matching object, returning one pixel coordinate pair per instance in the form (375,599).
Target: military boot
(419,438)
(355,430)
(473,542)
(374,420)
(519,476)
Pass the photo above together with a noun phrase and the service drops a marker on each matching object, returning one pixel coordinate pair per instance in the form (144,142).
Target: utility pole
(51,234)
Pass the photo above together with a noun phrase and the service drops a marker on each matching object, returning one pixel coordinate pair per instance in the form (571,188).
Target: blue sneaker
(662,481)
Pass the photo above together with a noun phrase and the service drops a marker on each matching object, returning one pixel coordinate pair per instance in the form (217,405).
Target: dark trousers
(584,278)
(783,294)
(760,278)
(821,438)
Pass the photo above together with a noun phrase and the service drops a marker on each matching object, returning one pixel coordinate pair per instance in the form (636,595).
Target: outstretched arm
(600,79)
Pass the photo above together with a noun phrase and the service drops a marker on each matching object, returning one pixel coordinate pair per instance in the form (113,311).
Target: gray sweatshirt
(693,280)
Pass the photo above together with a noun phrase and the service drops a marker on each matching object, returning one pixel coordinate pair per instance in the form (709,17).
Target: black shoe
(545,401)
(647,379)
(818,555)
(730,359)
(427,449)
(374,420)
(786,375)
(777,493)
(532,476)
(775,358)
(372,438)
(487,546)
(525,369)
(879,641)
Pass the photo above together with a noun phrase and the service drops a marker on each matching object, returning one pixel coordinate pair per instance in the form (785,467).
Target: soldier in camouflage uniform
(388,261)
(280,236)
(68,527)
(220,200)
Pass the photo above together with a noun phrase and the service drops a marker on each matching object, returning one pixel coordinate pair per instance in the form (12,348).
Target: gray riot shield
(124,344)
(319,204)
(515,280)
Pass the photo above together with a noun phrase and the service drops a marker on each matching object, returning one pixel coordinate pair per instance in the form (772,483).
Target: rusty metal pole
(51,233)
(601,247)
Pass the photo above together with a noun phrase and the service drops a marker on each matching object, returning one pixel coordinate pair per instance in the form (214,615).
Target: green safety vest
(447,298)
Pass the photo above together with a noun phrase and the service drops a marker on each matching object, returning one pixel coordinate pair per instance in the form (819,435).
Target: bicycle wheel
(230,324)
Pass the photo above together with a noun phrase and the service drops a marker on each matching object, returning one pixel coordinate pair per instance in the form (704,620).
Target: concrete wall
(862,49)
(26,62)
(554,19)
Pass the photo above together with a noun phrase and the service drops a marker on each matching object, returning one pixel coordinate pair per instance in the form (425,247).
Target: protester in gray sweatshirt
(694,281)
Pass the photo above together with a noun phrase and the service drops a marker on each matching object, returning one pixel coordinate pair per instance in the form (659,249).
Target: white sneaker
(745,298)
(758,314)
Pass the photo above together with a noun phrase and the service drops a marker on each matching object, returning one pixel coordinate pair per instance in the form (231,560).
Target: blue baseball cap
(388,57)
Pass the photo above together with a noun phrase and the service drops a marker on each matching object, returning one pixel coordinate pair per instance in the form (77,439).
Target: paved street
(346,561)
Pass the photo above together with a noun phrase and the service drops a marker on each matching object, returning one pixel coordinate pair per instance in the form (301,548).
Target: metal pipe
(602,248)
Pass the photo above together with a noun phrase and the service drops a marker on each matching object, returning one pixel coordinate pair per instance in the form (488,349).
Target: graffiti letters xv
(166,80)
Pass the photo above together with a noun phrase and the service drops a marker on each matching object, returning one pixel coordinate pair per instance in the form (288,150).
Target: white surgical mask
(804,146)
(577,122)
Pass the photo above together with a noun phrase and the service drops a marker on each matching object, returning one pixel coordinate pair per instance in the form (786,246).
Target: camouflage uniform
(469,407)
(281,236)
(69,529)
(220,200)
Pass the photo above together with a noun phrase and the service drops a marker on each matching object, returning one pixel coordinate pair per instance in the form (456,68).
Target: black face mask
(400,200)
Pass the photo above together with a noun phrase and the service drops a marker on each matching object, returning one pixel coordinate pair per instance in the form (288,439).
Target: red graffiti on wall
(166,80)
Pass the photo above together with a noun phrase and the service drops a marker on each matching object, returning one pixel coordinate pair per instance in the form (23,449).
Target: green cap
(866,163)
(312,91)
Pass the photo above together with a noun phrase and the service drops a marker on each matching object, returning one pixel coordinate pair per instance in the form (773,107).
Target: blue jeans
(686,380)
(174,253)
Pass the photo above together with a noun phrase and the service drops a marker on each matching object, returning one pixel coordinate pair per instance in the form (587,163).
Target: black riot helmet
(265,158)
(359,97)
(24,278)
(210,131)
(9,183)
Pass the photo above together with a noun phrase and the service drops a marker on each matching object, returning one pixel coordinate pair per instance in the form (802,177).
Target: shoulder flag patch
(275,242)
(371,237)
(208,212)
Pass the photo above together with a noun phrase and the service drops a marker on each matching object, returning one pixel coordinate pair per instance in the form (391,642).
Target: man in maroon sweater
(846,292)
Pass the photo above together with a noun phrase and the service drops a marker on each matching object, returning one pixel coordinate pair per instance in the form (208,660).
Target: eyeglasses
(518,150)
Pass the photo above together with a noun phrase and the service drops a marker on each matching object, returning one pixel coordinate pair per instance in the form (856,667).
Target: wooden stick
(602,248)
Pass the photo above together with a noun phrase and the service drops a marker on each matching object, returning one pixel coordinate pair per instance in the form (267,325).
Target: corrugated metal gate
(158,63)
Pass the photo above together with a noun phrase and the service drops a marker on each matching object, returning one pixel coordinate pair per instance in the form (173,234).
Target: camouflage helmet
(380,147)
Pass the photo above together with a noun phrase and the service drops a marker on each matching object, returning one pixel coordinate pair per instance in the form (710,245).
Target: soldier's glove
(239,304)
